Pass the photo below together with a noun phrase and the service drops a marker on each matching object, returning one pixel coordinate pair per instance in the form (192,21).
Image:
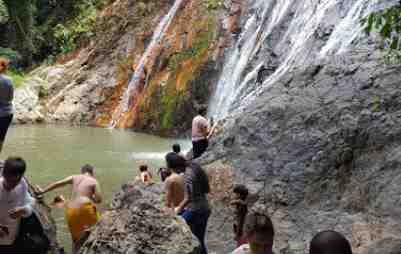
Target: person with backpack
(195,207)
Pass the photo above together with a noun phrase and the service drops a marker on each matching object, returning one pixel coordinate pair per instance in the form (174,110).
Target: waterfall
(298,32)
(139,74)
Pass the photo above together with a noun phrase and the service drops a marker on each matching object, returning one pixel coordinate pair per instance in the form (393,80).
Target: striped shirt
(6,96)
(196,188)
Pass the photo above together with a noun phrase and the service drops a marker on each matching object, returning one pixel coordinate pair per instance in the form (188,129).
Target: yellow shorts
(80,219)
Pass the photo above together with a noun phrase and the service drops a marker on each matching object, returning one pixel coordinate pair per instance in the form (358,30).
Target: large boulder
(26,102)
(137,224)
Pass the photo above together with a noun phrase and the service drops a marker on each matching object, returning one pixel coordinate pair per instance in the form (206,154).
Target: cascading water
(297,32)
(149,55)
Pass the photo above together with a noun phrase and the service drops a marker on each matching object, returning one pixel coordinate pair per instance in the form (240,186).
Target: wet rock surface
(137,224)
(322,149)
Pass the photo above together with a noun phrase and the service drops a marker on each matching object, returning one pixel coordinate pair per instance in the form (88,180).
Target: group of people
(254,231)
(186,189)
(16,203)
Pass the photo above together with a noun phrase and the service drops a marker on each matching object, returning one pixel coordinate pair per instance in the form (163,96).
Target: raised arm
(57,185)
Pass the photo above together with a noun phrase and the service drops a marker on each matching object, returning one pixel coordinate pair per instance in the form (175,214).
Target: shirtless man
(81,211)
(174,187)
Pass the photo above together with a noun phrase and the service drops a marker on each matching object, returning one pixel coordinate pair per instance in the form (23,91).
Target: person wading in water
(81,211)
(6,97)
(144,176)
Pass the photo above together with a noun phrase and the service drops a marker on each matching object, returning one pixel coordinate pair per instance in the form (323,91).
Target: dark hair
(176,148)
(164,173)
(241,190)
(14,166)
(58,199)
(202,110)
(175,162)
(258,223)
(87,168)
(143,168)
(329,242)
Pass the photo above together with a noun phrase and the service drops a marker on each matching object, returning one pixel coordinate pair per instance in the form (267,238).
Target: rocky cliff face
(317,138)
(137,224)
(177,74)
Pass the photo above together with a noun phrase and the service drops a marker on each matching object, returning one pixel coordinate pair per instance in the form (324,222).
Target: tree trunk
(21,28)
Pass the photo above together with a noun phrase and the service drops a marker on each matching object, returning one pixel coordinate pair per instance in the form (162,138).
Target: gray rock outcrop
(319,138)
(137,224)
(26,102)
(322,148)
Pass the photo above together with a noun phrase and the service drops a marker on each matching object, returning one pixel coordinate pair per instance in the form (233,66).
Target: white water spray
(299,32)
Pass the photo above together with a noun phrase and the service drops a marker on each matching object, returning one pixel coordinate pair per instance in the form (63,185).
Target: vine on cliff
(387,23)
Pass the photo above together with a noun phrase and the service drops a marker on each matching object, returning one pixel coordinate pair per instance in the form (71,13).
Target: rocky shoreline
(136,221)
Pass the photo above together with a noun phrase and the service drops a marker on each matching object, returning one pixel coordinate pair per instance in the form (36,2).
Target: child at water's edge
(145,176)
(240,210)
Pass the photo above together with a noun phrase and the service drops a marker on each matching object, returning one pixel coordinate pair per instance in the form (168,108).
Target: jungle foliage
(39,29)
(387,23)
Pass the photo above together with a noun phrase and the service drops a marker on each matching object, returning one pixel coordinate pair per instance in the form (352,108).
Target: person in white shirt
(15,202)
(200,133)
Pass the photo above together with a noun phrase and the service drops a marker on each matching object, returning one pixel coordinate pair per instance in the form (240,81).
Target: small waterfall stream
(139,76)
(297,32)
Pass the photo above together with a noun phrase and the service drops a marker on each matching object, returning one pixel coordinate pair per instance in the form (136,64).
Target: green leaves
(3,13)
(213,4)
(78,29)
(9,54)
(387,24)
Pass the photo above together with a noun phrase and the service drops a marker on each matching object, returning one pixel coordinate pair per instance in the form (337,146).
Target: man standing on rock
(174,183)
(200,132)
(81,211)
(194,208)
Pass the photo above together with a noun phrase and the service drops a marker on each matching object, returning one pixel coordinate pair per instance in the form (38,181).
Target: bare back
(175,189)
(84,188)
